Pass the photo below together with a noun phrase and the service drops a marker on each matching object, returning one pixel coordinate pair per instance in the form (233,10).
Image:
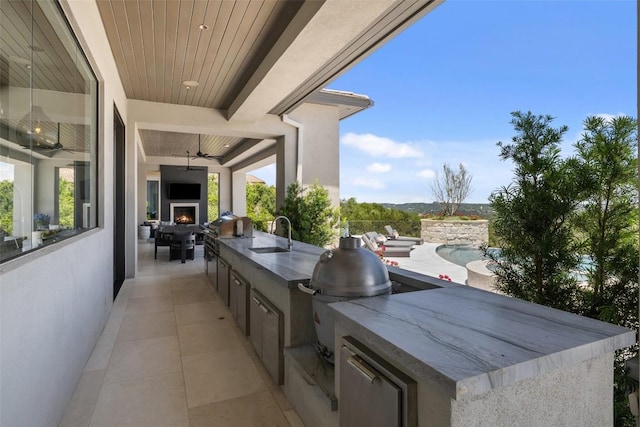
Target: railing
(404,228)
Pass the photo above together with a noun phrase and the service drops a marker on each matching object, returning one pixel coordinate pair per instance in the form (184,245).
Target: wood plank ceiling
(158,45)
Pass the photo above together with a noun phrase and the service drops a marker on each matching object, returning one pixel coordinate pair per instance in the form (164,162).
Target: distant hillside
(480,209)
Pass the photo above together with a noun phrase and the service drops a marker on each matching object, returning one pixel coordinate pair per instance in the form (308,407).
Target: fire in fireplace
(184,215)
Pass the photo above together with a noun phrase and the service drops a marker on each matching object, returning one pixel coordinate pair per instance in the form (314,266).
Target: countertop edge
(473,385)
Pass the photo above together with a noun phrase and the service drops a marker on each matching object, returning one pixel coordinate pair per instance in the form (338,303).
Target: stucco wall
(54,302)
(319,151)
(578,396)
(455,232)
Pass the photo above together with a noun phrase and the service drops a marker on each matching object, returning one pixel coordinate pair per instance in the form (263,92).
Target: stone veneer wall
(455,232)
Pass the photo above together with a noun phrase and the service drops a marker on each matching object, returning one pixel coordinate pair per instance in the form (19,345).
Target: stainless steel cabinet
(239,301)
(223,280)
(212,269)
(267,332)
(372,392)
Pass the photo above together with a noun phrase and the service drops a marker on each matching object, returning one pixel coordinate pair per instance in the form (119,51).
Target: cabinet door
(256,320)
(223,280)
(233,296)
(212,271)
(367,398)
(272,344)
(242,292)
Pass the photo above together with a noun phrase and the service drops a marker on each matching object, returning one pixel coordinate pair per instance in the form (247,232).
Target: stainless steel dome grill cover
(349,271)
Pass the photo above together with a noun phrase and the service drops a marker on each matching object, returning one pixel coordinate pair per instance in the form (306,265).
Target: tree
(66,204)
(212,197)
(6,207)
(261,205)
(310,212)
(608,220)
(608,225)
(451,188)
(532,214)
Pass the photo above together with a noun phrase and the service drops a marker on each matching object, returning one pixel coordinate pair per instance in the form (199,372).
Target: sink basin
(269,250)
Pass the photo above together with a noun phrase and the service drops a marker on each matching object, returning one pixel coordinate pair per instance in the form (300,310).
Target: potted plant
(41,221)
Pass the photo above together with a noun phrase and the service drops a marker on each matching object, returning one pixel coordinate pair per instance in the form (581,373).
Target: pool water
(461,255)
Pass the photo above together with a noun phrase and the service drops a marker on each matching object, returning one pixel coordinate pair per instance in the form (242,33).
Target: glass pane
(213,208)
(48,128)
(153,197)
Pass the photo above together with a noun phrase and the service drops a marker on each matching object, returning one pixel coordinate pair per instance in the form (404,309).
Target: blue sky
(445,87)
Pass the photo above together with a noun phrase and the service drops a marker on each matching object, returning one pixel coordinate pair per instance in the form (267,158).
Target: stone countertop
(291,267)
(469,341)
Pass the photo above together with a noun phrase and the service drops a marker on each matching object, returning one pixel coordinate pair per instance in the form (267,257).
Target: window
(153,198)
(48,130)
(213,208)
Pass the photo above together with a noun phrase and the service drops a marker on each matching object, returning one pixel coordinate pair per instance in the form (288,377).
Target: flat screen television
(184,191)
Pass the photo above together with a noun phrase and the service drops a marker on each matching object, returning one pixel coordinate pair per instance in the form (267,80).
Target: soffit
(257,56)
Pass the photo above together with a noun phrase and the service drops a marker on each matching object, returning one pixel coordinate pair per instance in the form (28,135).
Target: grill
(342,274)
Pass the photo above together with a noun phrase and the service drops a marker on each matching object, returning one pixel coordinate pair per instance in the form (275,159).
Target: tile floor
(170,355)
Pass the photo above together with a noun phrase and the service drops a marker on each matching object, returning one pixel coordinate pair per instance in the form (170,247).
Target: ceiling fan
(189,167)
(202,155)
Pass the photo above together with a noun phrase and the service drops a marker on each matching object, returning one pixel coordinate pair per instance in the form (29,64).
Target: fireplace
(184,213)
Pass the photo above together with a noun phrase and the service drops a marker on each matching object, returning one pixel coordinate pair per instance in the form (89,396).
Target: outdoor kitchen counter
(468,341)
(289,267)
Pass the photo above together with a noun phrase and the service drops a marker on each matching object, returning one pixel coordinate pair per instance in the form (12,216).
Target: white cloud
(427,173)
(608,117)
(379,167)
(378,146)
(376,184)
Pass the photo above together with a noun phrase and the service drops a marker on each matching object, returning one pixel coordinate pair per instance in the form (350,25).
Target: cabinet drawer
(372,392)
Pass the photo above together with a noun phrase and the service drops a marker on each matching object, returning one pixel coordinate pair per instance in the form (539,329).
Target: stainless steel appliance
(342,274)
(372,392)
(225,227)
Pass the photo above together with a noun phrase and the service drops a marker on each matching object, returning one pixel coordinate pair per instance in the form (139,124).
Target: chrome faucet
(289,244)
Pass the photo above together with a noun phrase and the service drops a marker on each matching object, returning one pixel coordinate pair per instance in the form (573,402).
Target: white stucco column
(239,193)
(286,165)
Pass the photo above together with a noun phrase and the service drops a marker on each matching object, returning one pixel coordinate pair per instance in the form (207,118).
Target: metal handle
(307,290)
(362,368)
(264,309)
(237,282)
(256,301)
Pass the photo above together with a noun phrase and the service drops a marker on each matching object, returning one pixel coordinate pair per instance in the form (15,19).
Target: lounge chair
(390,243)
(392,252)
(392,234)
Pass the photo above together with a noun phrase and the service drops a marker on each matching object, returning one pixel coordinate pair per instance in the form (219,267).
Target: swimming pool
(461,254)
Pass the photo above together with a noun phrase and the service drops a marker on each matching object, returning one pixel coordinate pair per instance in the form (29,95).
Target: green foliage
(261,205)
(557,209)
(6,206)
(66,203)
(310,212)
(608,227)
(213,207)
(365,217)
(532,213)
(608,218)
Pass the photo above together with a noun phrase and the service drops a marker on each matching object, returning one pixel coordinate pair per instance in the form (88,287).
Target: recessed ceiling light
(203,27)
(227,145)
(190,83)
